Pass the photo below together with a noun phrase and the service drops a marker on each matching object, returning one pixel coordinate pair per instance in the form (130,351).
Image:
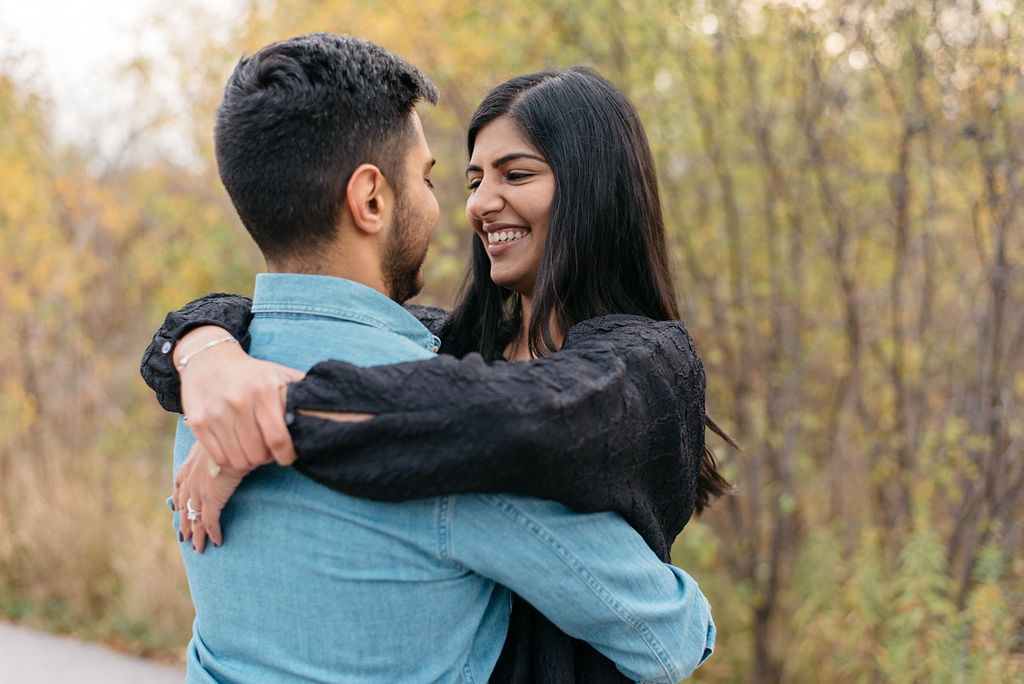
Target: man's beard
(403,257)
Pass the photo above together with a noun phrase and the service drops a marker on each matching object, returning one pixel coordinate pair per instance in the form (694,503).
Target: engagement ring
(192,514)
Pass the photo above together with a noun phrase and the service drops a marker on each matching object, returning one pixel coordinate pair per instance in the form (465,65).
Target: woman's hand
(201,489)
(234,404)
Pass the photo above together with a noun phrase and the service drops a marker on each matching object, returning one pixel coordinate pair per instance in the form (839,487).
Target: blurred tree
(842,182)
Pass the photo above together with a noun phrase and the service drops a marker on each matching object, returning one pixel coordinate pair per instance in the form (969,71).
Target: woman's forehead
(500,140)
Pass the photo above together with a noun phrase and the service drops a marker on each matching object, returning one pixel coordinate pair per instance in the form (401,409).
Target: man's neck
(336,268)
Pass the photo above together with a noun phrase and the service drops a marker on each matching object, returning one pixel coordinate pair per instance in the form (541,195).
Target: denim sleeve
(592,575)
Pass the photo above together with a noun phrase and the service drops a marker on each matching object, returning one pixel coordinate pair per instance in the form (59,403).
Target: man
(325,160)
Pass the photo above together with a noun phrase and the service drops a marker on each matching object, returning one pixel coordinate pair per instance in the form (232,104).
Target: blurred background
(843,186)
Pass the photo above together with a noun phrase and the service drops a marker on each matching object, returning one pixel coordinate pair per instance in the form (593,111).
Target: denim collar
(318,295)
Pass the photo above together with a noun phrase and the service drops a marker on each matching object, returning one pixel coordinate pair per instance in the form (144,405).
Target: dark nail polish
(181,537)
(170,504)
(193,547)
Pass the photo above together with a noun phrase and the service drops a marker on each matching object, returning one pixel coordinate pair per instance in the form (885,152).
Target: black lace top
(613,421)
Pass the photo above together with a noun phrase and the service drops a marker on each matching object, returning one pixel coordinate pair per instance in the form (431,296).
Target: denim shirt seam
(521,518)
(265,308)
(318,309)
(445,506)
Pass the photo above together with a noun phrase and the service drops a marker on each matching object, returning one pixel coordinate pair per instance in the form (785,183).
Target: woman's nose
(484,201)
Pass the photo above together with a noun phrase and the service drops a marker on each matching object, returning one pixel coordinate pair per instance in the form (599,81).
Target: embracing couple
(415,508)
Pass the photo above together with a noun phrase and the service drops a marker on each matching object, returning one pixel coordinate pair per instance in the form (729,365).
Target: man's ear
(368,197)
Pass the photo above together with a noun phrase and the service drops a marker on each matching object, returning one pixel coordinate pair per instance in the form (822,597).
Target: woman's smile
(502,236)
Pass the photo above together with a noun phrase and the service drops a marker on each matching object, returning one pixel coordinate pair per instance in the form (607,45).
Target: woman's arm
(233,314)
(233,402)
(613,421)
(228,311)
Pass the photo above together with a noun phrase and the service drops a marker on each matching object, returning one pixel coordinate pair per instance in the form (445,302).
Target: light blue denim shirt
(315,586)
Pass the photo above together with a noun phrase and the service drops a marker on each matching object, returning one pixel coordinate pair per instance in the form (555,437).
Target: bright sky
(73,50)
(69,49)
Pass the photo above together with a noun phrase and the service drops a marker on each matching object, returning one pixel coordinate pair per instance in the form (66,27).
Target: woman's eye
(430,183)
(513,176)
(474,183)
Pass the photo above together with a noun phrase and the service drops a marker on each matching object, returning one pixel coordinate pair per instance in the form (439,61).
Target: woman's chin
(501,277)
(510,282)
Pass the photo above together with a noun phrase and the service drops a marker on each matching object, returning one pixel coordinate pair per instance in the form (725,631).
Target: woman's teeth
(505,236)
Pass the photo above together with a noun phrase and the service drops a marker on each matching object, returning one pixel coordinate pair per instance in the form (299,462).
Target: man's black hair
(297,118)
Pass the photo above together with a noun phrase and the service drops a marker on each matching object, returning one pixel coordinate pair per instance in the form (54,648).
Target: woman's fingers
(269,428)
(210,434)
(212,522)
(176,502)
(274,430)
(179,499)
(187,500)
(215,394)
(184,524)
(228,397)
(201,491)
(216,492)
(198,535)
(250,437)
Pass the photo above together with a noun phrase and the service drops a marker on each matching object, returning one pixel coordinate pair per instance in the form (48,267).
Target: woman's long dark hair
(605,251)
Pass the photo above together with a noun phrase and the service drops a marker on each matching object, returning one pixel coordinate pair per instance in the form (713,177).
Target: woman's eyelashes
(510,177)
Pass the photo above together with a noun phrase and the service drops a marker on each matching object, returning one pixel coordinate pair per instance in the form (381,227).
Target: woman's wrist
(209,345)
(196,341)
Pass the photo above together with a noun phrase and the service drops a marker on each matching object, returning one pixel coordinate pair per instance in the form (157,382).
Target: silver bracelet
(188,357)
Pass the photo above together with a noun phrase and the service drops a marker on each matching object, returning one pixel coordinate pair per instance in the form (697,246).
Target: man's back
(312,585)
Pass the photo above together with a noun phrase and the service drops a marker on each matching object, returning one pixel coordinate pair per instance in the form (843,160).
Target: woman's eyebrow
(507,158)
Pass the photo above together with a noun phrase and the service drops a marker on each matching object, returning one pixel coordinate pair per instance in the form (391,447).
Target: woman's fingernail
(181,537)
(170,504)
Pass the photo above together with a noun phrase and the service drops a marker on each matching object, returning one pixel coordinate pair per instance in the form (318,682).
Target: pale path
(30,657)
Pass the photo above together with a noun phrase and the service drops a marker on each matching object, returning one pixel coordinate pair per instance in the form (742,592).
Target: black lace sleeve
(433,319)
(231,312)
(614,421)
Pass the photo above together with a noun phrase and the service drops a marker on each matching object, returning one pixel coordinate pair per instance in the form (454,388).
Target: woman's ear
(368,197)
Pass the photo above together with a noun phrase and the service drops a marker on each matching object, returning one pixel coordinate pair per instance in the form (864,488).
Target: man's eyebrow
(507,158)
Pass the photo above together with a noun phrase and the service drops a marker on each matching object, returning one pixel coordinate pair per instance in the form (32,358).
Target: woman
(570,268)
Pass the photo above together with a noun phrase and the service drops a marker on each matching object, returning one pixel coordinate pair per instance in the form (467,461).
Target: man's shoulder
(304,340)
(379,346)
